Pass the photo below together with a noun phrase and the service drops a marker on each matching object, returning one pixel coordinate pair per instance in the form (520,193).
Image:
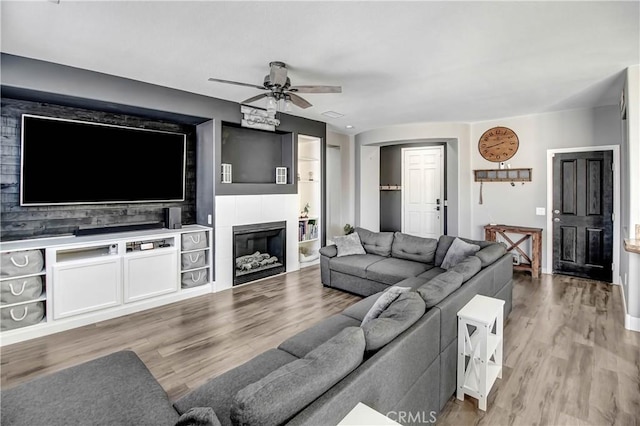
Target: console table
(533,261)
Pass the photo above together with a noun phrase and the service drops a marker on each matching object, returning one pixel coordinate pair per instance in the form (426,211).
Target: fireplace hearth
(259,251)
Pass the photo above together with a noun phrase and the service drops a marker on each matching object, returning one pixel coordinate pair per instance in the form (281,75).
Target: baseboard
(630,322)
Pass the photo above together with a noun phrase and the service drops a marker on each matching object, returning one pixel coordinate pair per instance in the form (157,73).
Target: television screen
(75,162)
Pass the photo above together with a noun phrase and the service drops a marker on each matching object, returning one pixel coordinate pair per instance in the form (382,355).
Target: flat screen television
(76,162)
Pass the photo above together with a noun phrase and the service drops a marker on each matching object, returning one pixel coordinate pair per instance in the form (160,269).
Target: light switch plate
(540,211)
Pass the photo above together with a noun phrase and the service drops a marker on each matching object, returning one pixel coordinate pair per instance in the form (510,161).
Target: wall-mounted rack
(503,175)
(390,188)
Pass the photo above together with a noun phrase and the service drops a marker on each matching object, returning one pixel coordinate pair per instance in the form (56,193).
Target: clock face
(498,144)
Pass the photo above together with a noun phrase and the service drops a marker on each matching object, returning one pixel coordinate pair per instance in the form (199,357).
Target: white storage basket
(194,240)
(21,316)
(194,259)
(20,290)
(18,263)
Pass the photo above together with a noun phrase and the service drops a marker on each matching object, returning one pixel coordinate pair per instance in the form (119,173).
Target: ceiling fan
(279,87)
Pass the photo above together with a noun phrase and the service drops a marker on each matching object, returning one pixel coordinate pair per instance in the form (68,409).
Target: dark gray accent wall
(68,86)
(18,222)
(391,174)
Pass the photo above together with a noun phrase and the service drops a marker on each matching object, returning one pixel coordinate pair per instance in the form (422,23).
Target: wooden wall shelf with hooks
(503,175)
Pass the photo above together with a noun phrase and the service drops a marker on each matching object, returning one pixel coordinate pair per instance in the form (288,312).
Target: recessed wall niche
(255,154)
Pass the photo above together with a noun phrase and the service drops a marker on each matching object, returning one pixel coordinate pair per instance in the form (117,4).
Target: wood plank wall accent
(17,222)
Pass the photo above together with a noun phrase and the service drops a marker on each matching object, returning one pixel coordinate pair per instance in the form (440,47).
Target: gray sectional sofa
(401,361)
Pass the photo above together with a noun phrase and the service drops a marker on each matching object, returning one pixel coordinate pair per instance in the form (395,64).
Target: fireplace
(259,251)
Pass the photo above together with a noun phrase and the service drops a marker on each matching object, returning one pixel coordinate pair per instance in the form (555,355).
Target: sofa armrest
(329,251)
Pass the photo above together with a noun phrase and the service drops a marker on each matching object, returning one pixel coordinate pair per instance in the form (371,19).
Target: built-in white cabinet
(53,284)
(86,285)
(310,197)
(148,274)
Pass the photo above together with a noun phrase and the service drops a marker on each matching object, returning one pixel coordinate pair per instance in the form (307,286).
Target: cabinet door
(85,286)
(149,274)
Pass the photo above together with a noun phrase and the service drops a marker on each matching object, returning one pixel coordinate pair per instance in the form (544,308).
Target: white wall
(630,262)
(347,152)
(457,136)
(537,133)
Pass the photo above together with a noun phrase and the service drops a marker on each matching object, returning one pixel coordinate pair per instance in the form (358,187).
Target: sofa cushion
(113,389)
(438,288)
(383,302)
(309,339)
(412,282)
(376,242)
(399,316)
(199,416)
(445,241)
(430,273)
(219,391)
(392,270)
(359,309)
(349,244)
(467,267)
(491,253)
(458,250)
(414,248)
(355,265)
(281,394)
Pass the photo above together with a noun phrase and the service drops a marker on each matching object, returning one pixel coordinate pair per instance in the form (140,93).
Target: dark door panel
(583,214)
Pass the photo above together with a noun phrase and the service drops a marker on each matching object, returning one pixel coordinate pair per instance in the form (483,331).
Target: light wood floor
(568,358)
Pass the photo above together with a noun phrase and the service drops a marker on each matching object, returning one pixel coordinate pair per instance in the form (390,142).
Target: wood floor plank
(568,360)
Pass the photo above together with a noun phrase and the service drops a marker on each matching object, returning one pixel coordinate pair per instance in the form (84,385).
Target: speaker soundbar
(118,228)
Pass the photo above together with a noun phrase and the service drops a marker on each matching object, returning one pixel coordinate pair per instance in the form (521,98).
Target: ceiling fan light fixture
(286,104)
(272,105)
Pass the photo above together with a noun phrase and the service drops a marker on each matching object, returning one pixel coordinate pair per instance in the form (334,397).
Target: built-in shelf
(503,175)
(308,181)
(308,159)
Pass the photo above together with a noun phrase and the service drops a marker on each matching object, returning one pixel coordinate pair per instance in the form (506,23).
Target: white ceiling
(397,62)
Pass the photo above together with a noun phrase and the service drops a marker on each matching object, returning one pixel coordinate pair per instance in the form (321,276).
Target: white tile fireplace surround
(233,210)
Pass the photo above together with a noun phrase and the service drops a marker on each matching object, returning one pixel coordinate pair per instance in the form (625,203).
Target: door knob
(556,211)
(556,219)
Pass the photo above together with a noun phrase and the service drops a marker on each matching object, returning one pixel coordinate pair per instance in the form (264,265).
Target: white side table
(483,347)
(363,415)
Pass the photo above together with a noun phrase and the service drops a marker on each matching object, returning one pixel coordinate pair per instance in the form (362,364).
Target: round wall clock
(498,144)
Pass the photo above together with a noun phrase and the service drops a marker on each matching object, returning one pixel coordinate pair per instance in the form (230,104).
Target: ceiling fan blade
(254,98)
(316,89)
(278,74)
(217,80)
(298,101)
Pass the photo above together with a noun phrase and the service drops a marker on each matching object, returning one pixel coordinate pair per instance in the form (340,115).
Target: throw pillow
(458,251)
(199,416)
(349,244)
(401,314)
(383,302)
(281,394)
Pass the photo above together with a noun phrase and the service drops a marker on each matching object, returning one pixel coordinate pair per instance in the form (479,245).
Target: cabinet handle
(13,317)
(26,262)
(17,293)
(192,259)
(195,239)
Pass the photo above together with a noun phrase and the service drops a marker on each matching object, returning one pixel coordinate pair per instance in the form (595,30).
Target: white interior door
(423,191)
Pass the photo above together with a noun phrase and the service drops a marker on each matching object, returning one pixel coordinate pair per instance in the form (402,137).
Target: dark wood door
(583,214)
